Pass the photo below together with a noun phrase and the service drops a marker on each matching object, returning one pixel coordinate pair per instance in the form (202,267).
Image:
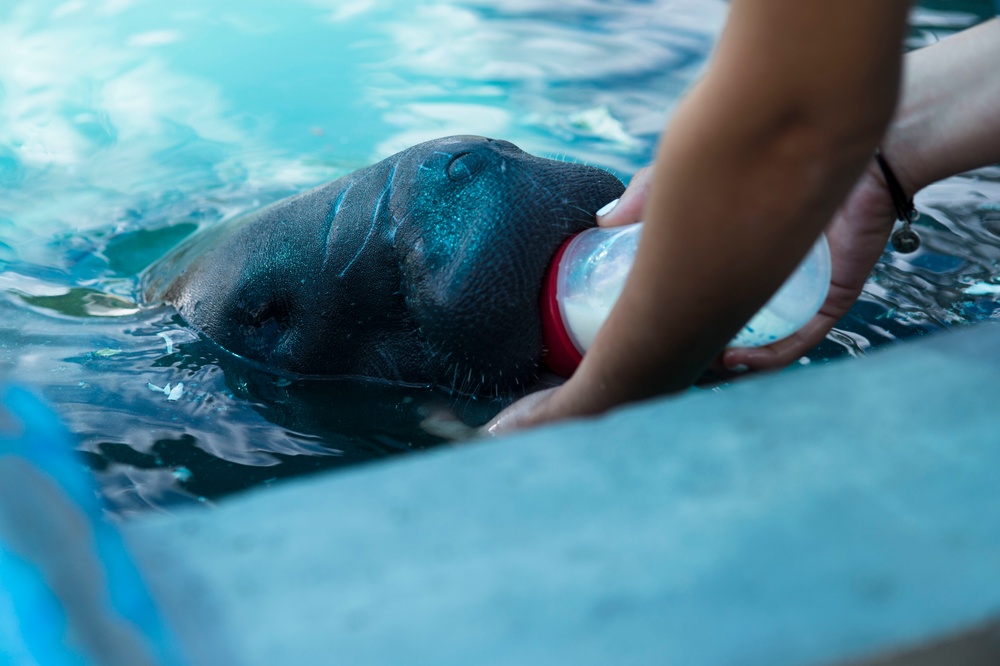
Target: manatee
(424,268)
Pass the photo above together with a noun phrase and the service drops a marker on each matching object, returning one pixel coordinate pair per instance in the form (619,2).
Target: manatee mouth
(577,209)
(508,345)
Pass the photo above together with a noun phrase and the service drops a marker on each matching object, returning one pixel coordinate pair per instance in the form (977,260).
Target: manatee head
(424,268)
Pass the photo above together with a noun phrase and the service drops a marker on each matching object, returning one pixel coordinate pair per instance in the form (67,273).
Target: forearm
(754,163)
(948,119)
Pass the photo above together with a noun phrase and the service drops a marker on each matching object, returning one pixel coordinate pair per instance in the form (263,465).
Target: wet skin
(424,268)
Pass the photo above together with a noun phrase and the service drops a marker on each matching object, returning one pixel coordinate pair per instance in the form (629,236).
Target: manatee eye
(464,166)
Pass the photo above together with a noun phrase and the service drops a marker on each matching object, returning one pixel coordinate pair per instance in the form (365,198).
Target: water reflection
(537,73)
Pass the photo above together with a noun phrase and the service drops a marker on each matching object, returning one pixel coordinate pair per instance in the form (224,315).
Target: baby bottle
(588,272)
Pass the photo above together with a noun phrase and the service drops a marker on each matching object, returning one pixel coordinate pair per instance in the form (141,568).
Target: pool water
(126,125)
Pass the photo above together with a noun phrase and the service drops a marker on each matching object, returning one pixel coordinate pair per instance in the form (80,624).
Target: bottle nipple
(560,354)
(584,280)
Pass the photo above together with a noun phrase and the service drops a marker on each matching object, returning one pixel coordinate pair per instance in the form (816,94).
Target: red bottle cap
(560,355)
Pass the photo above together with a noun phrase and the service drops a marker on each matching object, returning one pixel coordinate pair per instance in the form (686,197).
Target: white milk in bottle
(591,271)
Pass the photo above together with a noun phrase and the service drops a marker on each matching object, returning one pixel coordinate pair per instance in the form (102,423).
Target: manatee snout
(424,268)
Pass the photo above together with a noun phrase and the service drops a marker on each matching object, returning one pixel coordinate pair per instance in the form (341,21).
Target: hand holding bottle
(588,274)
(740,188)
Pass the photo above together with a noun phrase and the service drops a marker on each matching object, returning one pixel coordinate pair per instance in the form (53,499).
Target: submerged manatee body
(423,268)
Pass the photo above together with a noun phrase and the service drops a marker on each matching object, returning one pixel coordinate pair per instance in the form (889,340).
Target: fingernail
(739,367)
(608,207)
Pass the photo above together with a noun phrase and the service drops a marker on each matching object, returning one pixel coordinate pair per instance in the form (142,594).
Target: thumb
(629,207)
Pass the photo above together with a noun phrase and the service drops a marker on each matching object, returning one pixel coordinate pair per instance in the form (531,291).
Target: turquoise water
(125,125)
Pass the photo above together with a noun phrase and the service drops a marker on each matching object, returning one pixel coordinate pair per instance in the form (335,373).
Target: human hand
(945,124)
(523,413)
(857,236)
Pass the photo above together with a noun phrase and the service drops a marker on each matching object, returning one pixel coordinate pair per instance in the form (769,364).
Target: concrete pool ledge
(815,516)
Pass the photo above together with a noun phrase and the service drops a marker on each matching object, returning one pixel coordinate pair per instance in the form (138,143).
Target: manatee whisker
(583,210)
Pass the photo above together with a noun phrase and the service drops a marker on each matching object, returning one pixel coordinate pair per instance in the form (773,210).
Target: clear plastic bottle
(589,271)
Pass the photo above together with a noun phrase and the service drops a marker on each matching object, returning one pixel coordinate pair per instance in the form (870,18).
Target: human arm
(756,159)
(946,123)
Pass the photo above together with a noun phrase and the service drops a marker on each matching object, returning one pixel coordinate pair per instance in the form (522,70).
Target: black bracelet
(904,240)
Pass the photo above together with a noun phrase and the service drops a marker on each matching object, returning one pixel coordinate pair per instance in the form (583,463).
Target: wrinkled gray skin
(423,268)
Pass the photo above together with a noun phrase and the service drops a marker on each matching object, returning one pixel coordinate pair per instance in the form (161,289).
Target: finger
(518,415)
(629,207)
(782,352)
